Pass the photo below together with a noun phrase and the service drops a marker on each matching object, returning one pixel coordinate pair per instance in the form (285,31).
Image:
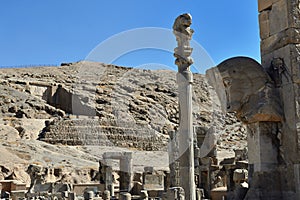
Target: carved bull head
(245,88)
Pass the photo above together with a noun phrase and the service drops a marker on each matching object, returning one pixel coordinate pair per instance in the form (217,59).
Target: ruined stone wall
(279,22)
(101,133)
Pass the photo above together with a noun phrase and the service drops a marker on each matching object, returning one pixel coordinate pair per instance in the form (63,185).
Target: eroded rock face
(121,100)
(245,88)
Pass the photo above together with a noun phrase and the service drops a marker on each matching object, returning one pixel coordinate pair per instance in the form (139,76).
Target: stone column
(125,169)
(183,33)
(280,53)
(109,180)
(126,172)
(263,146)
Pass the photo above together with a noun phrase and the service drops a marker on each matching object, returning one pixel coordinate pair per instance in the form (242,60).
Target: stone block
(79,189)
(240,175)
(6,185)
(265,4)
(154,182)
(264,25)
(218,193)
(291,55)
(279,40)
(262,151)
(17,185)
(278,17)
(18,194)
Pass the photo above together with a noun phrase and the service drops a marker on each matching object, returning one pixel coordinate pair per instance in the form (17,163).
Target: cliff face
(50,115)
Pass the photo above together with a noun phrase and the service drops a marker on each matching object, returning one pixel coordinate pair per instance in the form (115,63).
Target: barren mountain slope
(81,106)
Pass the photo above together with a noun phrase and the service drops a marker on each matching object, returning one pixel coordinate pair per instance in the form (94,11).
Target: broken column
(183,33)
(280,54)
(126,173)
(106,177)
(109,185)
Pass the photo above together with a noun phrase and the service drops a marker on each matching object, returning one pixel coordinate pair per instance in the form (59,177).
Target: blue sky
(36,32)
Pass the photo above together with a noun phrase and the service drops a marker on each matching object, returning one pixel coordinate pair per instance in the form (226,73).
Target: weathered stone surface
(154,181)
(123,98)
(283,45)
(249,91)
(265,4)
(289,94)
(279,40)
(8,133)
(183,33)
(263,145)
(293,13)
(278,17)
(264,24)
(97,132)
(240,175)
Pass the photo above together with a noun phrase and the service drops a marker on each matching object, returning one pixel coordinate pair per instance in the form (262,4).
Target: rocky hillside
(60,116)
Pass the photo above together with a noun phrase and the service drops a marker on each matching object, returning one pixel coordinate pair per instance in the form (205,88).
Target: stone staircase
(103,133)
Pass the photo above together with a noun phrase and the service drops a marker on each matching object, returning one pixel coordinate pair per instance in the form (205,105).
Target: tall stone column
(183,33)
(279,22)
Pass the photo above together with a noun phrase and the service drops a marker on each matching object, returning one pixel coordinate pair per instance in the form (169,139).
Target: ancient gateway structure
(266,98)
